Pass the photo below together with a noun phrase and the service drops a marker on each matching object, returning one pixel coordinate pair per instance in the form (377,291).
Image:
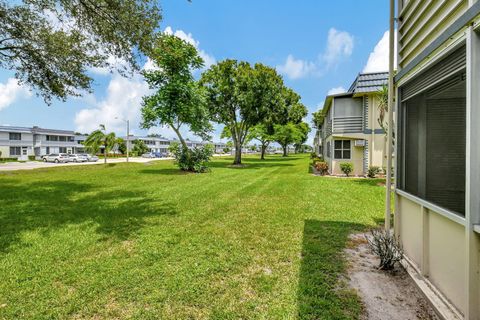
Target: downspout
(390,116)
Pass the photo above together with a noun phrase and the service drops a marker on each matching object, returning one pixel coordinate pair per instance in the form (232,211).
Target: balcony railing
(348,124)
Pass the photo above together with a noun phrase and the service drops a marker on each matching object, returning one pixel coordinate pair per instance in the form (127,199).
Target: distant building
(350,130)
(22,142)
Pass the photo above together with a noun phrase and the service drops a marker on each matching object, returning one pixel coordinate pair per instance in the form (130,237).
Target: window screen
(15,136)
(15,151)
(433,144)
(342,149)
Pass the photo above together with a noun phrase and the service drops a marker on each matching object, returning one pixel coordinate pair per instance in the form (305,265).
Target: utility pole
(391,51)
(128,138)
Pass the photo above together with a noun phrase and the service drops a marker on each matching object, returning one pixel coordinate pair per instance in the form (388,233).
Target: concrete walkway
(29,165)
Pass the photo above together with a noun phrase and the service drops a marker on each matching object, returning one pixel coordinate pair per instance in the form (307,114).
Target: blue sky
(318,46)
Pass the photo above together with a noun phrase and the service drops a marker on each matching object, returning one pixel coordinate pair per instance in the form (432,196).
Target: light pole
(128,136)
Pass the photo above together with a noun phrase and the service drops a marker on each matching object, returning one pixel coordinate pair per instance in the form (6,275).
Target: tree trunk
(105,155)
(284,151)
(238,153)
(177,131)
(264,147)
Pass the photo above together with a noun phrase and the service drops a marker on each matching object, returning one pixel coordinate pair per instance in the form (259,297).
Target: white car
(57,158)
(78,157)
(89,157)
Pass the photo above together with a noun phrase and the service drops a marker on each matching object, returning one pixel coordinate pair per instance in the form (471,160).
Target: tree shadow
(370,182)
(321,294)
(49,205)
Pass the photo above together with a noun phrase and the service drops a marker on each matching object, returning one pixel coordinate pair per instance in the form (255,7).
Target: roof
(369,82)
(35,130)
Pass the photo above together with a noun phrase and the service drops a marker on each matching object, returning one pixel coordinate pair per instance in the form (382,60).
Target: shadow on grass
(49,205)
(321,294)
(370,182)
(255,163)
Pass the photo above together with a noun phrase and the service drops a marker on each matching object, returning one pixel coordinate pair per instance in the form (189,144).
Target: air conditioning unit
(359,143)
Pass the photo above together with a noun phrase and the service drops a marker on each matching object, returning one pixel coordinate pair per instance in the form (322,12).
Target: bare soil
(385,294)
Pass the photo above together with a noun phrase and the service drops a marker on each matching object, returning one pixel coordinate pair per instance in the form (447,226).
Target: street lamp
(128,135)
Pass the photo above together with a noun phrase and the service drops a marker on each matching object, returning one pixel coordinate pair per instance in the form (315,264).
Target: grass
(147,241)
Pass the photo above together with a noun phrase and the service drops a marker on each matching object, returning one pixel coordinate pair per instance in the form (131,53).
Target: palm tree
(99,138)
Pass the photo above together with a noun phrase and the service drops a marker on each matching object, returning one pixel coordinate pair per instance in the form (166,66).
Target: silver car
(78,157)
(89,157)
(57,158)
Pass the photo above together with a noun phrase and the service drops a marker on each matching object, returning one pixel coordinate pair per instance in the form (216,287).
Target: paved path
(29,165)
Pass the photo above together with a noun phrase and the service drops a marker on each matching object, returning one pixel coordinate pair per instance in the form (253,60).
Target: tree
(304,130)
(287,134)
(241,97)
(122,146)
(139,147)
(261,134)
(51,44)
(178,99)
(382,95)
(98,139)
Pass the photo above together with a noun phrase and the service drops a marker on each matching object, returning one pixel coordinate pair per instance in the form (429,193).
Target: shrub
(387,247)
(317,159)
(8,159)
(313,155)
(31,158)
(322,167)
(346,167)
(373,171)
(194,160)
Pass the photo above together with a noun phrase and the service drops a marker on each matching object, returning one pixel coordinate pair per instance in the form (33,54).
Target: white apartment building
(24,142)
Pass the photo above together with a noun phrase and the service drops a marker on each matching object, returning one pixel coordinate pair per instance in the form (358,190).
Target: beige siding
(411,229)
(447,258)
(420,22)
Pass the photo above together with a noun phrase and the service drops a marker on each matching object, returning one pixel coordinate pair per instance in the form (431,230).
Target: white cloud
(336,90)
(339,45)
(378,59)
(208,59)
(296,68)
(11,91)
(123,101)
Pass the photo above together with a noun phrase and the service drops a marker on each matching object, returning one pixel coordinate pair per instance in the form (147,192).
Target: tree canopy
(179,99)
(241,96)
(51,44)
(100,138)
(261,133)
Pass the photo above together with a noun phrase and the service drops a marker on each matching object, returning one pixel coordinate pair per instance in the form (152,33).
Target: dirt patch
(386,295)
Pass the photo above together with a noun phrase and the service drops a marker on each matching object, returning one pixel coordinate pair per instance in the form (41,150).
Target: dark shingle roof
(369,82)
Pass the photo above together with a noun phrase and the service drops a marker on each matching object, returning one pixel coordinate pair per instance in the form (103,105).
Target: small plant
(346,167)
(194,160)
(317,159)
(313,155)
(387,247)
(321,167)
(373,171)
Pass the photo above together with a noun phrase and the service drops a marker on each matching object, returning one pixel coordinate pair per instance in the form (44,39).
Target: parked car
(89,157)
(148,155)
(56,157)
(78,157)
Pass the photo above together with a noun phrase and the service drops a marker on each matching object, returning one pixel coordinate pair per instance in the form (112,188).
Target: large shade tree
(51,44)
(178,99)
(241,96)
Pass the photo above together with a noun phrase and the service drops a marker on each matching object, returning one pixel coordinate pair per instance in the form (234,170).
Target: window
(342,149)
(433,144)
(328,149)
(52,138)
(62,150)
(15,136)
(48,150)
(62,138)
(15,151)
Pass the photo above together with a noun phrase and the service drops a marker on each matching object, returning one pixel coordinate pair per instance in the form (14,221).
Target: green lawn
(146,241)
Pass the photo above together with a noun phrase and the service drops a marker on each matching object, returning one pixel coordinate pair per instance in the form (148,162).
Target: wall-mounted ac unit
(359,143)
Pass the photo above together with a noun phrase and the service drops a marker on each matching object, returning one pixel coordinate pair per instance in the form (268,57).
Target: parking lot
(29,165)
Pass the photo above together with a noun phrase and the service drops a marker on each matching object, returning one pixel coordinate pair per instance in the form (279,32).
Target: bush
(373,171)
(387,247)
(31,158)
(346,167)
(313,155)
(317,159)
(321,167)
(194,160)
(8,159)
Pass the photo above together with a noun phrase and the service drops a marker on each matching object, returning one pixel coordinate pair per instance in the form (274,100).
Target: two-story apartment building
(22,142)
(161,144)
(350,129)
(437,142)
